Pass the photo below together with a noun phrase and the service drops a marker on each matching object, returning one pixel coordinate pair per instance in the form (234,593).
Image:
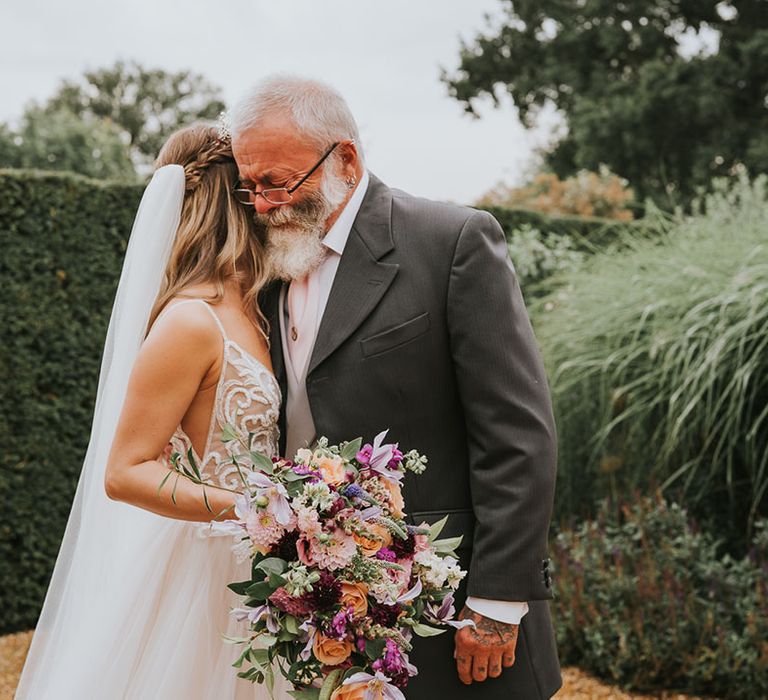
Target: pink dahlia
(333,551)
(263,529)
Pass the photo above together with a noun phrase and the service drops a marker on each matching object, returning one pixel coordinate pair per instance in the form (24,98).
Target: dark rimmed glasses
(276,195)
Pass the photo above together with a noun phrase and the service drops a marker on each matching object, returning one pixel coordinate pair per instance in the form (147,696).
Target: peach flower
(396,502)
(351,691)
(331,652)
(355,595)
(332,469)
(379,537)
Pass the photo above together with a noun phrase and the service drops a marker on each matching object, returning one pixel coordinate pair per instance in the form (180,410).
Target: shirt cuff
(501,610)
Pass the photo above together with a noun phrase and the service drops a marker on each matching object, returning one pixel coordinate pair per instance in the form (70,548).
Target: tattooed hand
(483,650)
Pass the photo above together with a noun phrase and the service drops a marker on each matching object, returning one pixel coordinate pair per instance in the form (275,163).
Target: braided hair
(217,239)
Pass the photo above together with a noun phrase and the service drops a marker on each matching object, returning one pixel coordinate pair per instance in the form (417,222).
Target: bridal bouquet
(339,581)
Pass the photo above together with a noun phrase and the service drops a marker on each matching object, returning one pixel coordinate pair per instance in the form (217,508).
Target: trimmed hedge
(587,233)
(62,238)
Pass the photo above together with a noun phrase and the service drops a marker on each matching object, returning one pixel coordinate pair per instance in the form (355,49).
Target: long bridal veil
(105,569)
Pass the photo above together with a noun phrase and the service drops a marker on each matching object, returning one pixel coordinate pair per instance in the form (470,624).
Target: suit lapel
(361,279)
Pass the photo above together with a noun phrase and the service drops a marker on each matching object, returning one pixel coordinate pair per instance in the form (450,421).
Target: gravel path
(577,685)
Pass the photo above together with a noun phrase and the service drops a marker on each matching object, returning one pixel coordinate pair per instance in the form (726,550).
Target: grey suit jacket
(426,333)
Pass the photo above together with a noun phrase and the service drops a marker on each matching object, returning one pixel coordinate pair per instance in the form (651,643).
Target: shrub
(63,238)
(644,599)
(538,257)
(587,193)
(658,359)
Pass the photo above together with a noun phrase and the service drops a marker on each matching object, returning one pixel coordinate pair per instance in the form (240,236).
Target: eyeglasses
(276,195)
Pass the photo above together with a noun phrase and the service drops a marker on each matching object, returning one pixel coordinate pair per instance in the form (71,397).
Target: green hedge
(62,238)
(588,233)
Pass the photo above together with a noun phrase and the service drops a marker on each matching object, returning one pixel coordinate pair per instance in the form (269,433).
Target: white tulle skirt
(167,643)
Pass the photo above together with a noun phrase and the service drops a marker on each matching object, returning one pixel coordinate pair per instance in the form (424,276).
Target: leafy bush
(644,599)
(586,193)
(587,233)
(537,257)
(63,239)
(658,359)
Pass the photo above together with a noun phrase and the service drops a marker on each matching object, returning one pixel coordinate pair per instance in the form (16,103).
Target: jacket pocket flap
(386,340)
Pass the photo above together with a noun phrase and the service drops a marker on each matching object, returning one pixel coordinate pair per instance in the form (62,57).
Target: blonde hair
(217,239)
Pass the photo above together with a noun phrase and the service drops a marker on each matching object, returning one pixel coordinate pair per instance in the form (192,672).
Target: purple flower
(443,615)
(397,458)
(304,470)
(386,554)
(364,455)
(340,622)
(355,491)
(381,457)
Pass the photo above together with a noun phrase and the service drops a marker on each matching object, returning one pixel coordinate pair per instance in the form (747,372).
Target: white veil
(105,562)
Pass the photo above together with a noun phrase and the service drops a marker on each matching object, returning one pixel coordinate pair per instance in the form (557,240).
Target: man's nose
(262,206)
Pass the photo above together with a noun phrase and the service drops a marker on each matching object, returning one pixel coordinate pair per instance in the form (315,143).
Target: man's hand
(483,650)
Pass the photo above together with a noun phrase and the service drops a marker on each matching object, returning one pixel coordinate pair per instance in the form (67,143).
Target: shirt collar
(336,238)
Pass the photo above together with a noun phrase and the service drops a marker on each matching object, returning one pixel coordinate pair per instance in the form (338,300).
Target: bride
(138,601)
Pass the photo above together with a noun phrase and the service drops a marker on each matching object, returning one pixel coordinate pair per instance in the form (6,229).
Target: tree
(146,105)
(632,93)
(60,140)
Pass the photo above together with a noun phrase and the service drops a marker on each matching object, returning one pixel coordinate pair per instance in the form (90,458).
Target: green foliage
(632,95)
(60,140)
(644,599)
(538,258)
(658,360)
(145,105)
(63,239)
(587,233)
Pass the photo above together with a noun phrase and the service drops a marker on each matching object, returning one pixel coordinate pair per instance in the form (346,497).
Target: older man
(402,313)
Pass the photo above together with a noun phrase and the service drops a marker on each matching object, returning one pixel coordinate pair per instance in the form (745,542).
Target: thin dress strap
(205,304)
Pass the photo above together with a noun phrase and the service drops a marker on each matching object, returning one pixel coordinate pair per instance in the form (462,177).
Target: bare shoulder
(186,329)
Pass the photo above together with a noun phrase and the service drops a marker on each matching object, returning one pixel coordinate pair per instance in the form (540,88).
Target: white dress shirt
(335,240)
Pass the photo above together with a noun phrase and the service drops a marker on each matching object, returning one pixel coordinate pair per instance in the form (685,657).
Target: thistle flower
(326,592)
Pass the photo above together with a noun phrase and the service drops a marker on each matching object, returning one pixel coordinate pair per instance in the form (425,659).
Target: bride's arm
(174,361)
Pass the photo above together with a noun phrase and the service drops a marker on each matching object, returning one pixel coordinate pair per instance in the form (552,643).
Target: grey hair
(318,111)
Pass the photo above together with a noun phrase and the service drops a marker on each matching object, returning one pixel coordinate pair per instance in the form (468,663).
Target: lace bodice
(247,397)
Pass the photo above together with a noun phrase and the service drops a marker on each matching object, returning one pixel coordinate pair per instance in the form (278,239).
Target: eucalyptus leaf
(374,648)
(229,433)
(262,463)
(272,565)
(436,528)
(448,545)
(350,450)
(426,631)
(260,591)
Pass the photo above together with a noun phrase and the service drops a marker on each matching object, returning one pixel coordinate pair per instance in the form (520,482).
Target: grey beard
(294,234)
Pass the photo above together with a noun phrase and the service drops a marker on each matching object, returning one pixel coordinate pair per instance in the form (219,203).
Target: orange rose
(332,469)
(355,595)
(331,652)
(369,545)
(351,691)
(396,501)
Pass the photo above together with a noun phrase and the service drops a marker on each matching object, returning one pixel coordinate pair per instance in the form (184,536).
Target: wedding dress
(137,602)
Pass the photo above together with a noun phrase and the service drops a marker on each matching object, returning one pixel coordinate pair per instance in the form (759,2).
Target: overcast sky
(385,57)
